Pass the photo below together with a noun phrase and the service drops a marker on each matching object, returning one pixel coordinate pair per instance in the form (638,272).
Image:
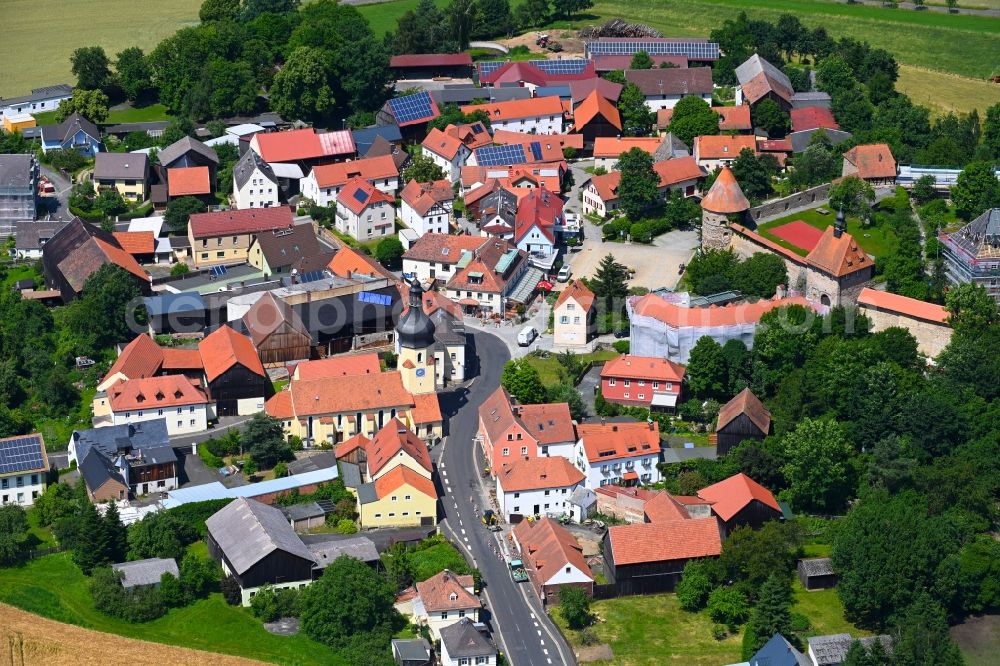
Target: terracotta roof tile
(838,256)
(812,117)
(671,172)
(732,495)
(395,438)
(140,358)
(357,441)
(614,441)
(122,259)
(184,181)
(426,408)
(370,168)
(246,221)
(660,542)
(672,81)
(348,262)
(447,591)
(607,89)
(302,144)
(333,395)
(722,146)
(155,393)
(579,292)
(873,160)
(609,146)
(269,314)
(725,195)
(676,316)
(392,481)
(663,508)
(593,106)
(548,548)
(644,367)
(539,473)
(136,242)
(422,197)
(443,248)
(745,402)
(520,108)
(279,406)
(338,366)
(440,143)
(734,117)
(224,348)
(182,359)
(359,194)
(908,307)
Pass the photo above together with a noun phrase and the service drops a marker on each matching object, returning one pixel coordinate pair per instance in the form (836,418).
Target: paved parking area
(655,265)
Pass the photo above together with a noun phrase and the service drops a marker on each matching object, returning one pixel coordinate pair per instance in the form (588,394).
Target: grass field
(979,639)
(876,241)
(942,92)
(30,639)
(824,610)
(552,372)
(53,587)
(40,35)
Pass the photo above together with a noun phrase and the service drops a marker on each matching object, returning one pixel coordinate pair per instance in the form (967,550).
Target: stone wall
(715,231)
(931,338)
(744,247)
(814,196)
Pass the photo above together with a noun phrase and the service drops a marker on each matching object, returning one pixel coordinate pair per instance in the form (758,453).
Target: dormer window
(453,597)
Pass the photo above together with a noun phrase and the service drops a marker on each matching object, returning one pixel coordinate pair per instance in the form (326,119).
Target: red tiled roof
(302,144)
(518,108)
(549,548)
(644,367)
(524,72)
(421,197)
(339,366)
(136,242)
(722,146)
(370,168)
(348,262)
(279,406)
(908,307)
(184,181)
(663,508)
(725,195)
(607,89)
(812,117)
(246,221)
(730,496)
(676,316)
(391,440)
(154,393)
(671,172)
(873,160)
(334,395)
(593,106)
(660,542)
(672,81)
(140,358)
(538,474)
(580,293)
(548,142)
(392,481)
(122,259)
(224,348)
(182,359)
(734,117)
(614,441)
(440,143)
(443,248)
(538,208)
(431,60)
(663,117)
(609,146)
(745,402)
(771,245)
(358,194)
(357,441)
(547,422)
(447,591)
(608,63)
(426,408)
(838,256)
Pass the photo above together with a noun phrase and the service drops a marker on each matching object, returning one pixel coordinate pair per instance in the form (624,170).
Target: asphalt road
(524,632)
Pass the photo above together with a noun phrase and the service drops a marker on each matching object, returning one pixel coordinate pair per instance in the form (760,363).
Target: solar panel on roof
(411,107)
(488,67)
(311,276)
(218,271)
(536,150)
(21,454)
(694,50)
(567,66)
(478,129)
(361,195)
(500,155)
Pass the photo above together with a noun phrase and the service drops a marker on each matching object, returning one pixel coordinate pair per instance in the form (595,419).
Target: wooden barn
(236,378)
(743,417)
(740,501)
(817,573)
(277,331)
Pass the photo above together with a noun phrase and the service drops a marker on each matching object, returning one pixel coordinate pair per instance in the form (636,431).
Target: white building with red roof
(451,147)
(533,226)
(186,407)
(574,320)
(618,453)
(363,212)
(325,182)
(601,196)
(536,115)
(427,207)
(303,146)
(872,162)
(509,432)
(536,486)
(642,381)
(552,557)
(437,256)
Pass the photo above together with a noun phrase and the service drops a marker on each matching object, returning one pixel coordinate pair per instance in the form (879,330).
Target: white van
(526,336)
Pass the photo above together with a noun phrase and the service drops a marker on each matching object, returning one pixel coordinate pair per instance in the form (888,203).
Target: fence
(42,552)
(807,198)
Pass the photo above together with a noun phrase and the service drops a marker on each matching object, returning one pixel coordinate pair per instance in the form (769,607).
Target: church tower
(415,338)
(724,201)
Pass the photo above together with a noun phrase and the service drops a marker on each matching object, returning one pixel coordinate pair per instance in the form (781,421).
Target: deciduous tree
(302,88)
(641,60)
(768,116)
(264,440)
(854,196)
(134,75)
(91,67)
(638,188)
(91,104)
(693,117)
(707,373)
(350,598)
(975,190)
(574,605)
(179,210)
(522,381)
(422,169)
(819,466)
(637,119)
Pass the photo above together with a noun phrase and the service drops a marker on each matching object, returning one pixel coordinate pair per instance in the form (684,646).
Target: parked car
(564,273)
(526,336)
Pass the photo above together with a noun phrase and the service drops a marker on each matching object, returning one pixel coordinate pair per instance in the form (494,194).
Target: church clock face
(421,372)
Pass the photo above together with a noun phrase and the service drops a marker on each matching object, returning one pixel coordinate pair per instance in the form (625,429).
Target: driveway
(59,204)
(588,387)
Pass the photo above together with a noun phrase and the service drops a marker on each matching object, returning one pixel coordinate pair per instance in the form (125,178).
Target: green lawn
(383,16)
(654,630)
(876,241)
(53,587)
(435,559)
(23,272)
(824,610)
(552,372)
(142,114)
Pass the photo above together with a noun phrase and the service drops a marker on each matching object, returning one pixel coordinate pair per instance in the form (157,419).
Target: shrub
(727,605)
(199,576)
(800,622)
(719,632)
(171,593)
(179,269)
(280,470)
(264,604)
(589,637)
(110,598)
(622,346)
(196,513)
(574,605)
(694,587)
(345,526)
(231,591)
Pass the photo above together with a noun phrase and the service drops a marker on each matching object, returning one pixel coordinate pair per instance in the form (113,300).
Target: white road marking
(539,632)
(536,624)
(463,530)
(544,649)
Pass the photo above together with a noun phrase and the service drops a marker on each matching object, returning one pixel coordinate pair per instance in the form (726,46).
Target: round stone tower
(724,201)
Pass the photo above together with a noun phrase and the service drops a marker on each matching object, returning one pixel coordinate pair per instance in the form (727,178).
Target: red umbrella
(546,285)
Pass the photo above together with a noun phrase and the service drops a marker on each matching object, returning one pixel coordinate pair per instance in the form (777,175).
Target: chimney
(603,421)
(614,427)
(649,422)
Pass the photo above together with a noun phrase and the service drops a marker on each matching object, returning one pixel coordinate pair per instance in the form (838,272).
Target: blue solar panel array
(361,195)
(21,454)
(500,155)
(568,66)
(694,49)
(377,299)
(218,271)
(311,276)
(412,107)
(536,150)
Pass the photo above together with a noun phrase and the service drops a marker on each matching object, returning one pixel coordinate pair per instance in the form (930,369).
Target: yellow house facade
(225,237)
(16,122)
(128,173)
(399,498)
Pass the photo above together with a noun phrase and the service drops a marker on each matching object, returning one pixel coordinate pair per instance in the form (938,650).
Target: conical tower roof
(415,329)
(725,195)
